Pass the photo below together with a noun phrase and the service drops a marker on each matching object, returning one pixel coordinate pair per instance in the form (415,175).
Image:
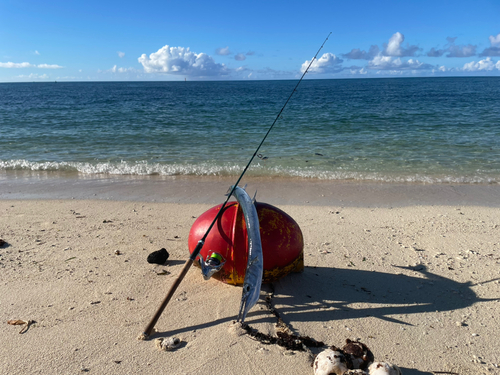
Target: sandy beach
(413,271)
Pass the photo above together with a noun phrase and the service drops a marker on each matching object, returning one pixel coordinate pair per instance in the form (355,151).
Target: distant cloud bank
(28,65)
(393,57)
(396,57)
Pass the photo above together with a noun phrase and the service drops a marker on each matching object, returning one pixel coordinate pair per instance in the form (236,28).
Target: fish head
(249,297)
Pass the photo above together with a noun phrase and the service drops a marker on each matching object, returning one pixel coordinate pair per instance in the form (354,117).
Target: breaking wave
(144,168)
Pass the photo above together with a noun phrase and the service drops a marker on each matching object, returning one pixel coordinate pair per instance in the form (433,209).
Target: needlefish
(255,264)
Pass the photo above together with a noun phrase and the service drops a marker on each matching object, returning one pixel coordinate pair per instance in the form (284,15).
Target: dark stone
(359,353)
(158,257)
(2,242)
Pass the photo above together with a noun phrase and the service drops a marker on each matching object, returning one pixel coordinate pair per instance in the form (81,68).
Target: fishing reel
(213,264)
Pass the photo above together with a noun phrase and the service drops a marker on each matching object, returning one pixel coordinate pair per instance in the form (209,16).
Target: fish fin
(229,190)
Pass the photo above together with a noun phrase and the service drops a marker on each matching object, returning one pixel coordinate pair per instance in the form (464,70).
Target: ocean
(423,130)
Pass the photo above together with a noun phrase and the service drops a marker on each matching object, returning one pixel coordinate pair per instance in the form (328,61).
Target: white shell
(167,343)
(329,362)
(383,368)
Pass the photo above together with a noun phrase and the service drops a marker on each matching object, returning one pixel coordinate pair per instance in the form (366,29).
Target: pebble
(158,257)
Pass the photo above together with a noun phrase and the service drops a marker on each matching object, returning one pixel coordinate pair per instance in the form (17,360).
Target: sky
(166,40)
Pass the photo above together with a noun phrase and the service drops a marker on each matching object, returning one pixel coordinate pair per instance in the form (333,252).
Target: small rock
(360,354)
(158,257)
(2,242)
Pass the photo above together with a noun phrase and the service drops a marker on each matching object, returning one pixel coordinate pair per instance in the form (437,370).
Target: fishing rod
(201,242)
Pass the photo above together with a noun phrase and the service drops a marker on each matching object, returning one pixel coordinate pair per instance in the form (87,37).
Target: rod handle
(167,299)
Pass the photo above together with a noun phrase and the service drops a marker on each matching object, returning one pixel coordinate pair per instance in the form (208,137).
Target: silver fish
(255,265)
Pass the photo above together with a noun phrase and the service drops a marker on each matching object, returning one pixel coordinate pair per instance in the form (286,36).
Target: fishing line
(201,242)
(198,248)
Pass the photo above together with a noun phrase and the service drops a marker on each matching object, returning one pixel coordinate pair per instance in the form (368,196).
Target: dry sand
(417,282)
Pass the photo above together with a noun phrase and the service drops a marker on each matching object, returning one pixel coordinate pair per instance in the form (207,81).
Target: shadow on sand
(322,294)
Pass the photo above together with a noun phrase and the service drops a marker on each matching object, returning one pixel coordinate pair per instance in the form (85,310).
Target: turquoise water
(417,130)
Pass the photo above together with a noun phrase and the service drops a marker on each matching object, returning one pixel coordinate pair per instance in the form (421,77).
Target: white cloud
(180,60)
(442,69)
(361,71)
(393,48)
(223,51)
(328,63)
(240,57)
(482,65)
(495,40)
(389,63)
(33,76)
(121,55)
(116,69)
(28,65)
(37,53)
(47,66)
(494,50)
(15,65)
